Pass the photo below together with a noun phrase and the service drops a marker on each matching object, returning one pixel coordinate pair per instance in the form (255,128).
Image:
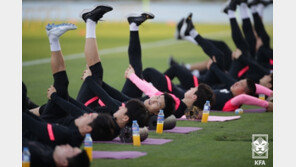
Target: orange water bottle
(88,146)
(206,112)
(136,134)
(160,120)
(26,157)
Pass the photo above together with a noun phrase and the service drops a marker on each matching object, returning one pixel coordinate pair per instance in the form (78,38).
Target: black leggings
(224,48)
(51,110)
(85,93)
(159,81)
(238,38)
(135,59)
(249,36)
(259,27)
(211,50)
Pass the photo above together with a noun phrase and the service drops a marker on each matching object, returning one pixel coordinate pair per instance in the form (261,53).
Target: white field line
(121,49)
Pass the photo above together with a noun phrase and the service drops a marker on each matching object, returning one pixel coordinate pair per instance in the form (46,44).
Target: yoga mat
(117,154)
(255,110)
(183,130)
(213,118)
(148,141)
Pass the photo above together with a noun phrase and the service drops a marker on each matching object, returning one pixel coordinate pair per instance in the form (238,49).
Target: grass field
(218,144)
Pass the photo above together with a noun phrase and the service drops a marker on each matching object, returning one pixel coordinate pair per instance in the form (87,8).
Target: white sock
(193,33)
(54,43)
(190,39)
(231,14)
(134,27)
(254,9)
(243,11)
(260,8)
(90,29)
(188,66)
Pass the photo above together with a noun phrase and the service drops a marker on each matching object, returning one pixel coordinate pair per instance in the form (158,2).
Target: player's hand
(86,73)
(130,70)
(50,91)
(236,54)
(269,107)
(209,64)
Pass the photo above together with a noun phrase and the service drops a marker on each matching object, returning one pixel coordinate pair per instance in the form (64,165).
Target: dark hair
(80,160)
(204,93)
(103,128)
(136,110)
(251,87)
(169,107)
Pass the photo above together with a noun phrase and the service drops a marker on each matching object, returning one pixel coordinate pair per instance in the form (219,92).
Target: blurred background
(206,11)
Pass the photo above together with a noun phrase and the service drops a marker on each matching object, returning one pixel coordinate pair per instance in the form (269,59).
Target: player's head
(244,86)
(65,155)
(163,102)
(133,110)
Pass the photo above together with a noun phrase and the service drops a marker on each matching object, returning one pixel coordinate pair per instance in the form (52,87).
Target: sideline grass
(218,144)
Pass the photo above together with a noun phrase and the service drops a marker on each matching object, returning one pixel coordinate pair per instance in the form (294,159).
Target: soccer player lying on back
(96,94)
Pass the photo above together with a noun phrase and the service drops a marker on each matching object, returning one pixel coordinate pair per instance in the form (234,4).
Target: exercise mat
(117,154)
(213,118)
(148,141)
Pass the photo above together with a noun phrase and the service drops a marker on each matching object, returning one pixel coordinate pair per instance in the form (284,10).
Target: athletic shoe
(266,2)
(96,13)
(59,29)
(140,19)
(189,25)
(230,5)
(178,29)
(253,2)
(242,1)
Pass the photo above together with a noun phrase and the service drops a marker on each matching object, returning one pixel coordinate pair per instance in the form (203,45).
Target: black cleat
(189,24)
(266,2)
(96,13)
(178,29)
(140,19)
(253,2)
(231,5)
(242,1)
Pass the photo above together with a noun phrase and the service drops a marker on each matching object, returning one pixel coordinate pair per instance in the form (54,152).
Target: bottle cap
(26,149)
(207,101)
(135,121)
(87,135)
(160,112)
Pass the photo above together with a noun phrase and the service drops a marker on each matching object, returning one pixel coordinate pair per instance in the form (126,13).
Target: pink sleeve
(144,86)
(248,100)
(263,90)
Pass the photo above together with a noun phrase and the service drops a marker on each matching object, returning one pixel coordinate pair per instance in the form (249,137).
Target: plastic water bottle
(136,134)
(206,112)
(239,111)
(160,120)
(26,157)
(88,146)
(262,96)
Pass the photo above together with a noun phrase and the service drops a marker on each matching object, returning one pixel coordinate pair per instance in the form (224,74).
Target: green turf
(218,144)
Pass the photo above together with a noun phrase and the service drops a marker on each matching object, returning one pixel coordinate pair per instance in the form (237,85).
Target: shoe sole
(84,11)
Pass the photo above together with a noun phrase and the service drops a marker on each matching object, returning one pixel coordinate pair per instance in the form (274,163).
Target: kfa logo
(260,146)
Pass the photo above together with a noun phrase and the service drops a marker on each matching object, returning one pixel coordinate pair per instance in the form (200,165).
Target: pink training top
(149,90)
(263,90)
(241,99)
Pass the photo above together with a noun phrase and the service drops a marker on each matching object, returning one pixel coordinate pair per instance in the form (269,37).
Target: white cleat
(59,29)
